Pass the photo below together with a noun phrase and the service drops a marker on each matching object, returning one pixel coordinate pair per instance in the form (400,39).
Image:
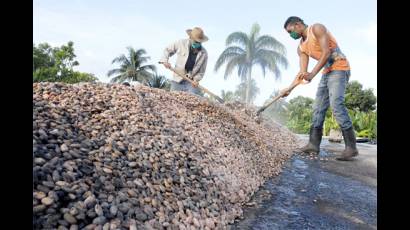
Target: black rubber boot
(315,137)
(350,145)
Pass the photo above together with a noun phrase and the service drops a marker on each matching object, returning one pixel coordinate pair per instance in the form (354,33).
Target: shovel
(284,92)
(199,86)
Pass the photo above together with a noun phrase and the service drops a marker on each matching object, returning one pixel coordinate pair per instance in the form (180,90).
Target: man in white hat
(191,60)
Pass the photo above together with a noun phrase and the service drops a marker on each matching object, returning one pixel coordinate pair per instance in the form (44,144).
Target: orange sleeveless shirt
(311,47)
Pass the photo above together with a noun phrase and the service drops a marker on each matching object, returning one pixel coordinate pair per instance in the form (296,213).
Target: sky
(101,30)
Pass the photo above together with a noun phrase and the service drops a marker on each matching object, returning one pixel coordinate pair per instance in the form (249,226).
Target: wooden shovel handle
(199,86)
(289,89)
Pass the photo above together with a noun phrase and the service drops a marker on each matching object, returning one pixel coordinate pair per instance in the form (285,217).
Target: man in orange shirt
(317,42)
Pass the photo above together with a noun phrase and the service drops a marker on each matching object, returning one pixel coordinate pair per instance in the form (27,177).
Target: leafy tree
(358,98)
(55,64)
(300,114)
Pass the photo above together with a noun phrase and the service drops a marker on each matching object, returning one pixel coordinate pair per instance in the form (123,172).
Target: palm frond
(158,81)
(140,60)
(114,71)
(263,64)
(243,71)
(269,56)
(140,52)
(269,42)
(228,54)
(122,59)
(237,37)
(152,68)
(119,78)
(233,63)
(254,32)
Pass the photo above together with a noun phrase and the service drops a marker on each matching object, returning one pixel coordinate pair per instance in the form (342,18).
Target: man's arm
(168,52)
(201,72)
(303,63)
(321,35)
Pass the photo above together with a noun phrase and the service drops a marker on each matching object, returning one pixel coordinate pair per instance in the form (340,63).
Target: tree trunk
(248,86)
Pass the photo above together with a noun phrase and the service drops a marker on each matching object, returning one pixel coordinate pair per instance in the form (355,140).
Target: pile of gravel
(117,157)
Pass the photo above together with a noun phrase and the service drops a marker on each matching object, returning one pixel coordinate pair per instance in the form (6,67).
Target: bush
(300,114)
(300,118)
(330,123)
(364,123)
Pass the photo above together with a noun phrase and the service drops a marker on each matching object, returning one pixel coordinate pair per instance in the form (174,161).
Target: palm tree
(247,92)
(131,67)
(158,81)
(244,51)
(228,96)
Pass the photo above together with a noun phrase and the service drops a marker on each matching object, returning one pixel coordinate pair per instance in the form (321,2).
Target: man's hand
(309,76)
(167,65)
(195,84)
(285,92)
(302,75)
(305,76)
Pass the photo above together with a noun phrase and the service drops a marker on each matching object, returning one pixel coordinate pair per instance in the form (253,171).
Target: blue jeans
(184,86)
(331,91)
